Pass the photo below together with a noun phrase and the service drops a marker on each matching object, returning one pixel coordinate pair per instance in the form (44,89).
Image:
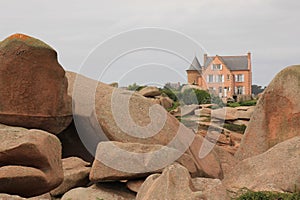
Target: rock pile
(141,151)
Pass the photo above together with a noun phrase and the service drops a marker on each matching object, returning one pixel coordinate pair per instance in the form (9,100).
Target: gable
(233,63)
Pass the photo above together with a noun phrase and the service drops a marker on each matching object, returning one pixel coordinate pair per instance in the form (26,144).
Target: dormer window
(216,67)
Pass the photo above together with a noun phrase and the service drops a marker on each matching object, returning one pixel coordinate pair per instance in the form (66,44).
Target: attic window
(216,67)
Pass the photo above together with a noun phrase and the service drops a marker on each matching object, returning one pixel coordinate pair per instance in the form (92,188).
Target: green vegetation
(249,103)
(175,105)
(235,127)
(135,87)
(171,93)
(250,195)
(256,89)
(244,103)
(194,96)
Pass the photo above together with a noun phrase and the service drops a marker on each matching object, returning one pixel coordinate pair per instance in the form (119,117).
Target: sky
(81,30)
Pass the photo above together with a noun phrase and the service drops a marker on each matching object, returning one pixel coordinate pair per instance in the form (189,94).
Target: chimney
(249,60)
(204,59)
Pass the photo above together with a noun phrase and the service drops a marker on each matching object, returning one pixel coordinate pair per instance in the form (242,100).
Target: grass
(250,195)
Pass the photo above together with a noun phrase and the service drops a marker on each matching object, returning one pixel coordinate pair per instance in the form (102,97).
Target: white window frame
(220,78)
(210,78)
(239,78)
(216,67)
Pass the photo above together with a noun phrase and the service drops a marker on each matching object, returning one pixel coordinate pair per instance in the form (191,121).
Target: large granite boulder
(276,117)
(30,161)
(33,86)
(103,113)
(274,170)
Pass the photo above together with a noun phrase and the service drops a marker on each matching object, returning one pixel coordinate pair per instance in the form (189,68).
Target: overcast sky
(269,29)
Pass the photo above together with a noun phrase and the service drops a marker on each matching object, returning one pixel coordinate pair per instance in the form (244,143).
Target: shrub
(235,127)
(248,103)
(250,195)
(135,87)
(172,94)
(195,96)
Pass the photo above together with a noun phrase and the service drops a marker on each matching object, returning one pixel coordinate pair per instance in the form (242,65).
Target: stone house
(226,76)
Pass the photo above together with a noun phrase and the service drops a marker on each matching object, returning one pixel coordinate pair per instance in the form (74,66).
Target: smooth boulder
(30,161)
(276,116)
(33,86)
(274,170)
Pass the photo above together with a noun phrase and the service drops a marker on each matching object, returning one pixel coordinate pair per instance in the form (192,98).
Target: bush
(135,87)
(248,103)
(249,195)
(194,96)
(235,127)
(172,94)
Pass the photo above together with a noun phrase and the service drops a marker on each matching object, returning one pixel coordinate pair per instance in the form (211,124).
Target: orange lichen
(19,36)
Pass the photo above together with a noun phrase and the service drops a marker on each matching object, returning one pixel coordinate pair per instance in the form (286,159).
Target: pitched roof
(195,65)
(232,62)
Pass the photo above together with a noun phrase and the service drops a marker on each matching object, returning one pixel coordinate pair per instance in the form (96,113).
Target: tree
(256,89)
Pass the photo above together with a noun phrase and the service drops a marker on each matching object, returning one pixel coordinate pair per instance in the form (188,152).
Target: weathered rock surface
(123,161)
(212,189)
(109,191)
(205,158)
(135,185)
(174,183)
(76,174)
(165,102)
(226,113)
(33,86)
(276,117)
(150,91)
(124,116)
(46,196)
(30,161)
(274,170)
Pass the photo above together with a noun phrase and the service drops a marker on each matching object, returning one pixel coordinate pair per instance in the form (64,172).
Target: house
(227,76)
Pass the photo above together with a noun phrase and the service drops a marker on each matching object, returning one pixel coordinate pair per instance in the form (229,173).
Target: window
(220,78)
(220,89)
(240,90)
(239,78)
(216,67)
(210,78)
(228,77)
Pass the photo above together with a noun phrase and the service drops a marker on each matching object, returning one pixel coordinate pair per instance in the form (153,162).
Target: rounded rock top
(25,39)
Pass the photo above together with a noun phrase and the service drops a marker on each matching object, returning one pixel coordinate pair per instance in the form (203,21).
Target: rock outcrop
(33,86)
